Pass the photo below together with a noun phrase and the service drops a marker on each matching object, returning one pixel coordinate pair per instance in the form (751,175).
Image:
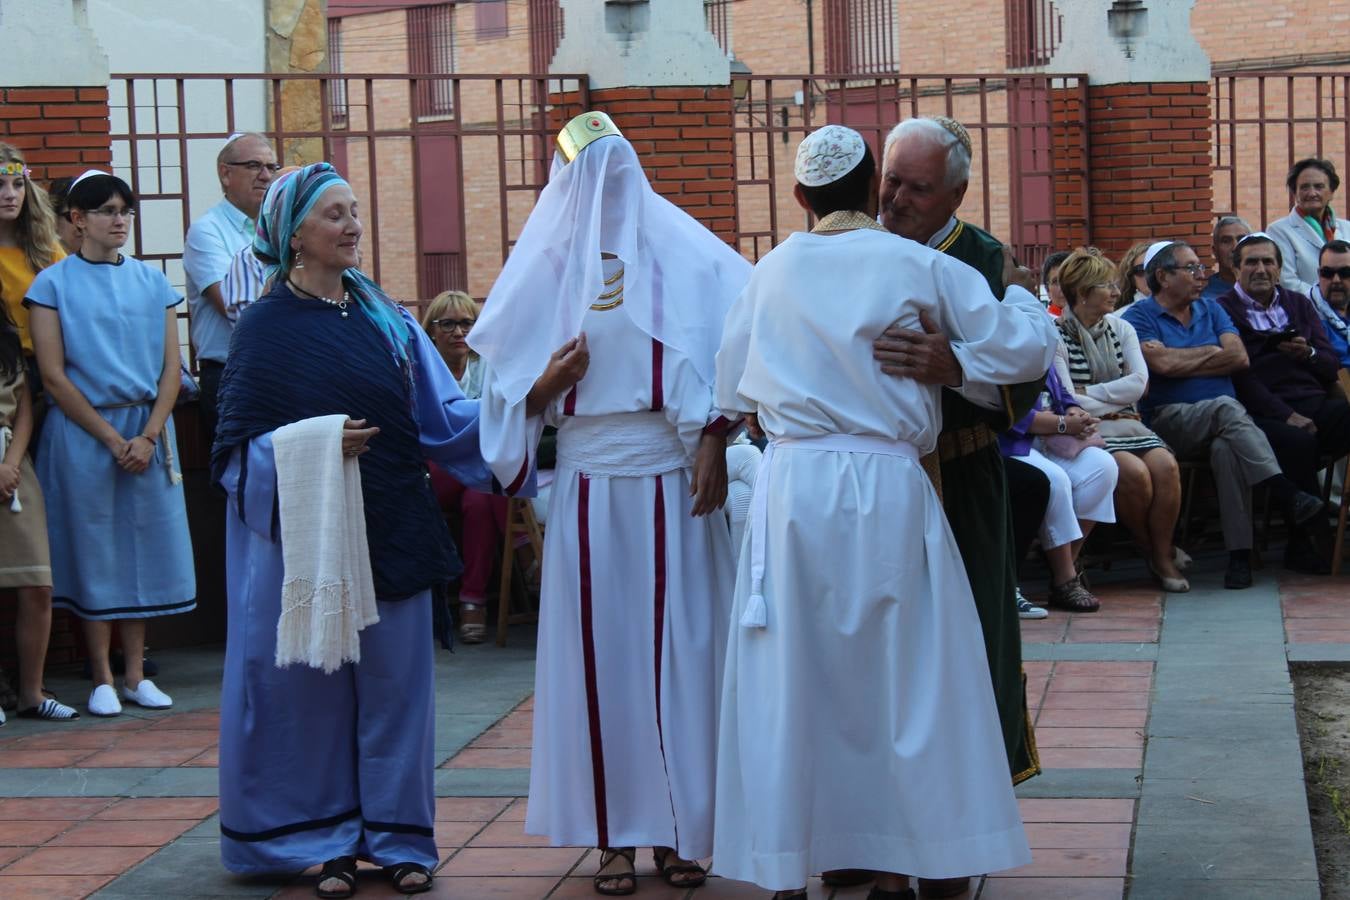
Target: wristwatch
(1062,426)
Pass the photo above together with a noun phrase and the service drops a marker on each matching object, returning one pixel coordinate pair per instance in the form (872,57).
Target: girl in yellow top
(28,243)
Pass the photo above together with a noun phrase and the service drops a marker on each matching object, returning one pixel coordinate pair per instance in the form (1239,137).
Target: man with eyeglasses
(245,166)
(1331,297)
(1192,350)
(1288,391)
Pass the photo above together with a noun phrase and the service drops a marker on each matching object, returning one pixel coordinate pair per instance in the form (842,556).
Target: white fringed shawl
(327,592)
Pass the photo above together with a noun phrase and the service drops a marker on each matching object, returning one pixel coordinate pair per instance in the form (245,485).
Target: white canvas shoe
(103,701)
(147,695)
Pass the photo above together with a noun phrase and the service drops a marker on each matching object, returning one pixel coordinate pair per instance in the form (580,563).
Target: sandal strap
(399,872)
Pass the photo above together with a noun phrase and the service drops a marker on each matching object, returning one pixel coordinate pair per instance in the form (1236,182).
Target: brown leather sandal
(1073,596)
(670,871)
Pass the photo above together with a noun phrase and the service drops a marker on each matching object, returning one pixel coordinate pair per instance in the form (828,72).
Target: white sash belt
(621,445)
(756,611)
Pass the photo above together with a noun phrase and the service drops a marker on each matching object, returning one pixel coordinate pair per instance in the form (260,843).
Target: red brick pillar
(1068,154)
(1149,167)
(61,131)
(683,136)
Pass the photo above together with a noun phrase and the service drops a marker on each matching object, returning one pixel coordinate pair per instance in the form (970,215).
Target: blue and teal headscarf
(289,199)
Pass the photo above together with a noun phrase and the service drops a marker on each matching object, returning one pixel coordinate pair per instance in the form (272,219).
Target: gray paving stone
(1235,849)
(1315,653)
(188,868)
(178,782)
(1093,783)
(72,782)
(1211,803)
(1189,757)
(482,782)
(1155,887)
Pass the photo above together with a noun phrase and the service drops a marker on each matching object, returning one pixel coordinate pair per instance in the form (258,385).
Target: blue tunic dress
(316,766)
(119,542)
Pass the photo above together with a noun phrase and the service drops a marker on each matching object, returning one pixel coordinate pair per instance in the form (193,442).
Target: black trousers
(1028,497)
(1299,451)
(208,380)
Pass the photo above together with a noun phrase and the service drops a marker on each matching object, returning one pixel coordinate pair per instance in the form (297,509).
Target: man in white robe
(855,732)
(637,575)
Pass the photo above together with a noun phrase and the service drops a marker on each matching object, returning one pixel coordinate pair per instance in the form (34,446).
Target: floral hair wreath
(15,168)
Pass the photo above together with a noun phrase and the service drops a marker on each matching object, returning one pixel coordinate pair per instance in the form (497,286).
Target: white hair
(958,158)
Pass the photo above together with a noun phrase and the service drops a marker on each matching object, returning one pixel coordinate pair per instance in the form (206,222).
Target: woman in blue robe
(325,768)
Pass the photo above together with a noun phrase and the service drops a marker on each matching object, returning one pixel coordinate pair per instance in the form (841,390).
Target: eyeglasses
(1194,268)
(110,212)
(451,324)
(1136,271)
(255,166)
(1328,272)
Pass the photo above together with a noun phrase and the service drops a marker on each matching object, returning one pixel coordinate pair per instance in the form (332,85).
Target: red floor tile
(469,809)
(1079,835)
(507,834)
(32,833)
(1053,889)
(1061,717)
(1072,864)
(155,739)
(124,833)
(648,888)
(201,720)
(516,811)
(1118,669)
(79,861)
(43,759)
(450,836)
(9,854)
(52,807)
(1038,809)
(68,738)
(142,808)
(1090,758)
(500,737)
(513,861)
(490,759)
(1095,700)
(50,887)
(207,758)
(521,888)
(146,758)
(1064,681)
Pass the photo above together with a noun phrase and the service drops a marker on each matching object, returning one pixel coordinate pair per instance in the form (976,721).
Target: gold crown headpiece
(582,131)
(957,129)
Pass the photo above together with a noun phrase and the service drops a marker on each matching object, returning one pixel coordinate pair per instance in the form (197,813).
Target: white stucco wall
(170,37)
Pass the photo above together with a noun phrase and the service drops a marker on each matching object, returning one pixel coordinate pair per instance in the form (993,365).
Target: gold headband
(584,130)
(15,168)
(957,130)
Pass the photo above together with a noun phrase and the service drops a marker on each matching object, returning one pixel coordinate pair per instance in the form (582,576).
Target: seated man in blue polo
(1331,297)
(1192,349)
(1289,390)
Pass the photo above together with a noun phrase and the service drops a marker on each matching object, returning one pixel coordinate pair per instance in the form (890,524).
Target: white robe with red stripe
(636,598)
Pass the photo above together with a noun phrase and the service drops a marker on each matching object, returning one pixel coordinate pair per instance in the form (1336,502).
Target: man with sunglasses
(1289,388)
(245,167)
(1331,296)
(1193,351)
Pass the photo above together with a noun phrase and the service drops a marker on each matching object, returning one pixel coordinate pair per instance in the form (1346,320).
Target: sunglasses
(451,324)
(1328,272)
(1136,271)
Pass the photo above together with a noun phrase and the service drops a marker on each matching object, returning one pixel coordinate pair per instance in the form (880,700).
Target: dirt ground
(1323,703)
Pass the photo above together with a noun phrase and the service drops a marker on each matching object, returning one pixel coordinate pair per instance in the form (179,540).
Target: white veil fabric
(679,278)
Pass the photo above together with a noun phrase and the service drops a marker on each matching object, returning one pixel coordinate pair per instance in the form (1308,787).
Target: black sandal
(342,868)
(627,880)
(668,872)
(399,872)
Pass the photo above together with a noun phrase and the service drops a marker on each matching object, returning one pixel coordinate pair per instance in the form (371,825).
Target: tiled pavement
(1140,790)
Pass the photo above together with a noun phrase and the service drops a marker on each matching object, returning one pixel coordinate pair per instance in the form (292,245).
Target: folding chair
(520,519)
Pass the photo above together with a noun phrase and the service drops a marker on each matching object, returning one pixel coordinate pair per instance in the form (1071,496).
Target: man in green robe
(924,178)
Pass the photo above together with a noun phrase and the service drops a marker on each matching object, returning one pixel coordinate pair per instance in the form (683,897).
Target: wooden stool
(520,520)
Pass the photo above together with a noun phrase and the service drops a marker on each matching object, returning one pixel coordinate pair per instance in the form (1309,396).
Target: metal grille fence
(1028,181)
(860,36)
(1034,32)
(1263,123)
(442,202)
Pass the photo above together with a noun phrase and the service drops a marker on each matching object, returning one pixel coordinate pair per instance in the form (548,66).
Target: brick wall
(61,131)
(683,136)
(1149,164)
(1066,149)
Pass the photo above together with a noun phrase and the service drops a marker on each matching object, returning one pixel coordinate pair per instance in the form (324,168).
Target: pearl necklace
(340,304)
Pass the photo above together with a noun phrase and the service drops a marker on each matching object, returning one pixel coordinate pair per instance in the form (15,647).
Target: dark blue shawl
(293,359)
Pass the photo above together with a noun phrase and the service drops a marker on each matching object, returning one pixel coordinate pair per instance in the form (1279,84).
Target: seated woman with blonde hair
(1099,353)
(447,321)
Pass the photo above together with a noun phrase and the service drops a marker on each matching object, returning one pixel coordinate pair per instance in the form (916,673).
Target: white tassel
(756,613)
(14,505)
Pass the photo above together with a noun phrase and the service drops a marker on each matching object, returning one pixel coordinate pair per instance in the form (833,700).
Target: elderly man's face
(1312,191)
(1336,287)
(1184,280)
(1224,242)
(1259,270)
(915,200)
(248,168)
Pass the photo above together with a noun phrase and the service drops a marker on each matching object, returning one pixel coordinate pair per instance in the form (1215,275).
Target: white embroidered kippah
(828,154)
(88,174)
(1154,249)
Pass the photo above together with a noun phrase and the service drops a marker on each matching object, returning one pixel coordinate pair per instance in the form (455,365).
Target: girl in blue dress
(106,337)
